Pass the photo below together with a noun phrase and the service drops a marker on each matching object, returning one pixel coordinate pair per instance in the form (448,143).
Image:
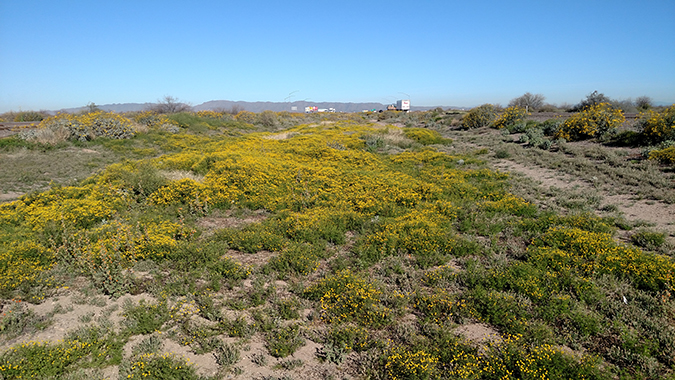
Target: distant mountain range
(226,105)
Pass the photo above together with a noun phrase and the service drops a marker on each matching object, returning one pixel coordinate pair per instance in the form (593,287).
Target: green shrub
(296,259)
(145,317)
(28,116)
(550,127)
(253,238)
(482,116)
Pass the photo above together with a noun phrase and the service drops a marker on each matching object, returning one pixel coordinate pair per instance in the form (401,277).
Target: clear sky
(60,54)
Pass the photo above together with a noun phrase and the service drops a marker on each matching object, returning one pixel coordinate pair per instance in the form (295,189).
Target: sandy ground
(661,215)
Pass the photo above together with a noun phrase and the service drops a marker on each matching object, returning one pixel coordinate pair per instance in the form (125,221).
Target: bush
(666,156)
(657,127)
(284,341)
(510,116)
(28,116)
(593,121)
(402,363)
(479,117)
(551,126)
(85,127)
(648,240)
(347,297)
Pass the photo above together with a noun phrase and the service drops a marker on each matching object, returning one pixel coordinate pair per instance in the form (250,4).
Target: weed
(284,341)
(226,354)
(17,319)
(146,317)
(150,345)
(259,359)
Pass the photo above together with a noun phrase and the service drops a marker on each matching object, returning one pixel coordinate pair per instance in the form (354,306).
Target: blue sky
(60,54)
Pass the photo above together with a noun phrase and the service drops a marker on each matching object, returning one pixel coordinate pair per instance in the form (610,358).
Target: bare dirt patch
(229,220)
(659,214)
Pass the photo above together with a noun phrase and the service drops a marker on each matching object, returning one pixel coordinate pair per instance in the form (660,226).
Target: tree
(592,99)
(528,101)
(170,105)
(92,107)
(643,103)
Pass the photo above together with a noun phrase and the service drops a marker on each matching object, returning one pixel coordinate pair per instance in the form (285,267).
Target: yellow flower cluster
(405,364)
(508,204)
(593,121)
(510,116)
(658,126)
(573,249)
(440,307)
(346,297)
(666,156)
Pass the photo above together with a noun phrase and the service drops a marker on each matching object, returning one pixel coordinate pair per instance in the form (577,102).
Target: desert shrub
(253,238)
(146,317)
(441,307)
(49,361)
(17,319)
(593,121)
(89,126)
(28,116)
(665,156)
(284,341)
(550,127)
(169,105)
(479,117)
(268,119)
(349,338)
(505,310)
(657,127)
(510,116)
(246,117)
(425,136)
(649,240)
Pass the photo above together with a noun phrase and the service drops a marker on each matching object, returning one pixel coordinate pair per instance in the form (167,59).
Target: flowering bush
(90,126)
(658,126)
(666,156)
(401,363)
(593,121)
(510,116)
(347,297)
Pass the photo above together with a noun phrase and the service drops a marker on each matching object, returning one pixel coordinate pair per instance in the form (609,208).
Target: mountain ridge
(227,105)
